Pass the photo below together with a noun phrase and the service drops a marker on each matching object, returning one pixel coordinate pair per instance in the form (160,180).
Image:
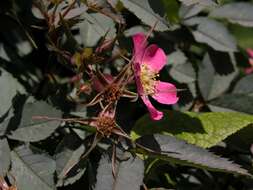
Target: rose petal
(139,46)
(250,52)
(248,70)
(154,113)
(251,61)
(154,57)
(166,93)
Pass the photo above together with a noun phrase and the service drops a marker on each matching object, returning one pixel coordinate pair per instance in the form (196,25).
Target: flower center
(112,93)
(148,79)
(105,125)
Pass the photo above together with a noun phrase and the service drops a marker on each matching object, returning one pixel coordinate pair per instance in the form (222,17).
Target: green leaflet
(96,26)
(129,173)
(5,156)
(32,170)
(171,8)
(142,9)
(204,130)
(213,33)
(179,152)
(245,18)
(31,129)
(11,87)
(243,35)
(68,154)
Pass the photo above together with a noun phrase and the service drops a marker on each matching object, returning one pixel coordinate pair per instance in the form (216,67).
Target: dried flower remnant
(108,91)
(147,62)
(110,88)
(105,123)
(112,93)
(249,70)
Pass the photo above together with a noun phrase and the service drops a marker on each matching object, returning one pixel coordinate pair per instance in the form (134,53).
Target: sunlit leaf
(204,130)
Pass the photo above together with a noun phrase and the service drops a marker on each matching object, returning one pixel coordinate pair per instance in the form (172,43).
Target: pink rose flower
(147,62)
(249,69)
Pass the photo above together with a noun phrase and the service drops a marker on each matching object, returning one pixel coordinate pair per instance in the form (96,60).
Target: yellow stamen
(148,79)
